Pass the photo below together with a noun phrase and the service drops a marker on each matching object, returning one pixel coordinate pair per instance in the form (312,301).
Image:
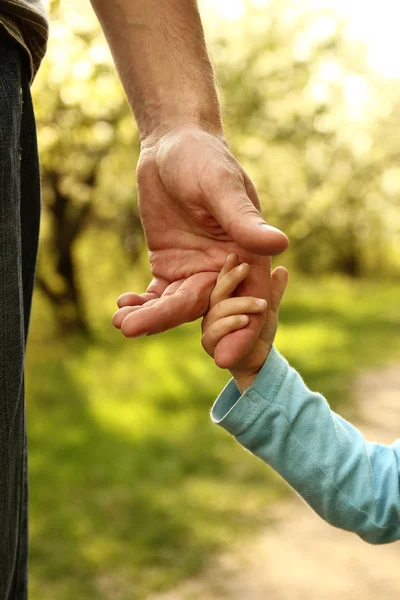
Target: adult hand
(197,205)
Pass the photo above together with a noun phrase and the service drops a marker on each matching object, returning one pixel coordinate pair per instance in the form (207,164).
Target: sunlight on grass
(132,487)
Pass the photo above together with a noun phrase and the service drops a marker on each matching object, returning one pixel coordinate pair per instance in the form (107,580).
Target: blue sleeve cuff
(236,412)
(350,482)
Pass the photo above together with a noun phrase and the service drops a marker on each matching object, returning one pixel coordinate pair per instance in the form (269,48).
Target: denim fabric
(19,231)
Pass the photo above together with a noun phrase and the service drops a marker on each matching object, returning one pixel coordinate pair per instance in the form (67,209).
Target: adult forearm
(161,56)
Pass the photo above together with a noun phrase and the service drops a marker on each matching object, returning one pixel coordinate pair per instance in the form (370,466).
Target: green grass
(132,487)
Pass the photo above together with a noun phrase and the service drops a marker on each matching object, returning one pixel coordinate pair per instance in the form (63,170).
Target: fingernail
(141,335)
(269,227)
(261,302)
(281,275)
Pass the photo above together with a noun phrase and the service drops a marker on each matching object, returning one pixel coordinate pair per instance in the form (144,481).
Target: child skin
(228,313)
(350,482)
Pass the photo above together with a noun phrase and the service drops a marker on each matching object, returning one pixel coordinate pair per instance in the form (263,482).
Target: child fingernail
(261,302)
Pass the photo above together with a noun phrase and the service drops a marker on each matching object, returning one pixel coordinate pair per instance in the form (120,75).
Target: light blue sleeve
(351,483)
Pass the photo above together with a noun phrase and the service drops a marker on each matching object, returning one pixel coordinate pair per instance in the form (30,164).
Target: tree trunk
(68,223)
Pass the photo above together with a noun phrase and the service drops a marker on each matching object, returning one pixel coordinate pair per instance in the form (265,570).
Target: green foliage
(88,145)
(311,125)
(314,128)
(132,487)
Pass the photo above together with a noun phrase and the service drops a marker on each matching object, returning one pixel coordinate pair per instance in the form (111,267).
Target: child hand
(227,314)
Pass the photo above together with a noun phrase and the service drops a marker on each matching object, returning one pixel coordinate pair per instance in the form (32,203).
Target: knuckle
(244,305)
(206,344)
(204,341)
(221,308)
(213,298)
(214,329)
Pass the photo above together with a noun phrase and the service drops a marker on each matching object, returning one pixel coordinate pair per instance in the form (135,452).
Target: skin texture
(187,244)
(229,313)
(161,57)
(196,203)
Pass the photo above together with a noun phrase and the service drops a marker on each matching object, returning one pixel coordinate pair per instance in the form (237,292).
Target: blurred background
(133,490)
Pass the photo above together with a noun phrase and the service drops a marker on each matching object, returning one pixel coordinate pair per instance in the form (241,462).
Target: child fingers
(231,261)
(228,283)
(233,306)
(220,329)
(279,279)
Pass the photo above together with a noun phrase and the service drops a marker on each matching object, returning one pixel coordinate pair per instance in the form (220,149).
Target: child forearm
(351,483)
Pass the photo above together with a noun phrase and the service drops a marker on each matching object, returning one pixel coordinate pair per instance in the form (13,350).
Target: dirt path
(302,557)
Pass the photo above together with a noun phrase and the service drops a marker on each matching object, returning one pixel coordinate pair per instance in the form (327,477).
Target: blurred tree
(311,124)
(85,129)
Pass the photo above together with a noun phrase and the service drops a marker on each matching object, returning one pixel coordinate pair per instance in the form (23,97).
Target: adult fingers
(133,299)
(178,305)
(123,312)
(155,289)
(131,302)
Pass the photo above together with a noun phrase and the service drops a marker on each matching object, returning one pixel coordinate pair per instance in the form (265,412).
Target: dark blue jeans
(19,230)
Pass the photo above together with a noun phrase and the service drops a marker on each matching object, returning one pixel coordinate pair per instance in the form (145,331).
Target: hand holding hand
(228,314)
(197,205)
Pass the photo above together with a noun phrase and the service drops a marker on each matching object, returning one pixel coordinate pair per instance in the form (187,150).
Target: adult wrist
(153,131)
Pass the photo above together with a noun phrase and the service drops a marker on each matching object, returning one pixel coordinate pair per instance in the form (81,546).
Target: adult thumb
(238,216)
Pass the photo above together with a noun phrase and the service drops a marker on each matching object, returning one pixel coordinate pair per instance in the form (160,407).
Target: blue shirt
(351,483)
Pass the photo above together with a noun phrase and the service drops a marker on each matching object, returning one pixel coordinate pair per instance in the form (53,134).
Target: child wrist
(244,382)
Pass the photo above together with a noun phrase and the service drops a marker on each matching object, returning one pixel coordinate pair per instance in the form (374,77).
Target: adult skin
(196,202)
